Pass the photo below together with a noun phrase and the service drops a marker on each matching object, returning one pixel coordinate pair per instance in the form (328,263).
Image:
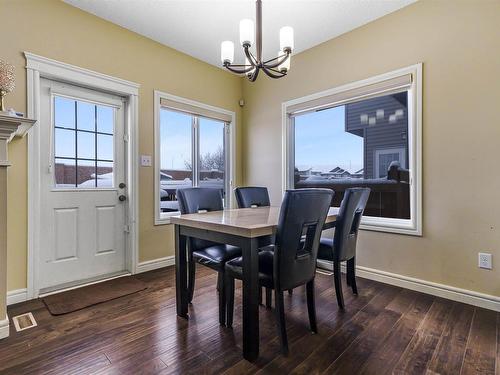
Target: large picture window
(366,134)
(193,149)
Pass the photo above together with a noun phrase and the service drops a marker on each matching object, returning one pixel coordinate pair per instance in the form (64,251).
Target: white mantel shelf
(10,127)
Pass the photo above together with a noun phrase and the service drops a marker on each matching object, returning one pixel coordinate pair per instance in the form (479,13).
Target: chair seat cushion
(325,251)
(216,256)
(266,259)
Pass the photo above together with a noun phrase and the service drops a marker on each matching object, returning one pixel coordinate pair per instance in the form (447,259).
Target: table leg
(181,289)
(250,299)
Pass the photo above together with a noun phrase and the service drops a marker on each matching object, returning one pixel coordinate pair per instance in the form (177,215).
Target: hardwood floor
(384,330)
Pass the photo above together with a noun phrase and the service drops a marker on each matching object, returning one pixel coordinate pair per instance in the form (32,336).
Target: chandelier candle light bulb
(227,52)
(249,34)
(286,38)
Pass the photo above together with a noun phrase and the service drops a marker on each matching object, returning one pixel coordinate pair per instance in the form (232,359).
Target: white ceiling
(197,27)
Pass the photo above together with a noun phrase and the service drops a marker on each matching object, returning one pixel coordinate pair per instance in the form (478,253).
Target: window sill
(388,225)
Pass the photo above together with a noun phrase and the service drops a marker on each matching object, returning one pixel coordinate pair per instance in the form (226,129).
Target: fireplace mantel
(10,127)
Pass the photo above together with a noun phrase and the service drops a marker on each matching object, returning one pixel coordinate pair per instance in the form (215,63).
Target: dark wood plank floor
(384,330)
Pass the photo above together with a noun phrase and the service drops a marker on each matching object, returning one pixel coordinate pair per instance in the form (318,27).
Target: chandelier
(275,68)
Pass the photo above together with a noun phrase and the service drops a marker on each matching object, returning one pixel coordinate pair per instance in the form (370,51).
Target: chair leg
(220,281)
(280,318)
(347,275)
(269,297)
(290,291)
(191,277)
(311,306)
(338,283)
(222,301)
(351,270)
(229,288)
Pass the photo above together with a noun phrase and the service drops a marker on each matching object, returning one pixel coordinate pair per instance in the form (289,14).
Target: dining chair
(292,262)
(342,247)
(210,254)
(252,196)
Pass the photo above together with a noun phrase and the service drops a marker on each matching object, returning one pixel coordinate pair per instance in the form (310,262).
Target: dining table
(238,227)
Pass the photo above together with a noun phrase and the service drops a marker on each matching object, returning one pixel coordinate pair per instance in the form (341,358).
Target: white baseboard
(4,328)
(16,296)
(154,264)
(470,297)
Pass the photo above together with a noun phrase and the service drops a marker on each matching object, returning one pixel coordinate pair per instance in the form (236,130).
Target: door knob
(122,198)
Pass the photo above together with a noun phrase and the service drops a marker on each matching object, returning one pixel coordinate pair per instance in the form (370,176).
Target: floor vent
(24,321)
(324,272)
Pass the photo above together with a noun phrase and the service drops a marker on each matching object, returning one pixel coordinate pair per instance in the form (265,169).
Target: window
(192,149)
(366,134)
(83,143)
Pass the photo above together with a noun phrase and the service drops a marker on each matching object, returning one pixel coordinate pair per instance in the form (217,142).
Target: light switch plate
(146,161)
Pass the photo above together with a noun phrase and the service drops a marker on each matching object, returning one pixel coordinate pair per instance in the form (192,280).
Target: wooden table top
(245,222)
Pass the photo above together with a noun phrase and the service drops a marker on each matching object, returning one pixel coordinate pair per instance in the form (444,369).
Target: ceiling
(197,27)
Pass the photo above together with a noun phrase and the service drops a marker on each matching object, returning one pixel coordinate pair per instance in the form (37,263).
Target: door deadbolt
(122,185)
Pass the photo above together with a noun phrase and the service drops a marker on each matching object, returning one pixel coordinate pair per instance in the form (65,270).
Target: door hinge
(126,228)
(125,137)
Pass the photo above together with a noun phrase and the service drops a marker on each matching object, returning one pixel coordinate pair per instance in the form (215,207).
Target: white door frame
(38,67)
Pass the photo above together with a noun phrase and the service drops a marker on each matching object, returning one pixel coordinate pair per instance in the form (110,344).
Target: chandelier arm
(283,73)
(280,60)
(254,75)
(251,58)
(269,73)
(237,71)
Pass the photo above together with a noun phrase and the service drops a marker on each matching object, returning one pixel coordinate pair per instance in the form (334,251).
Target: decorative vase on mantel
(7,82)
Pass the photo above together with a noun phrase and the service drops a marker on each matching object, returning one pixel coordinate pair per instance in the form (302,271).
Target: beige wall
(459,45)
(56,30)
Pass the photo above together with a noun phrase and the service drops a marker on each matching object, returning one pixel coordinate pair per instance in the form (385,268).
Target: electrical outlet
(146,161)
(485,261)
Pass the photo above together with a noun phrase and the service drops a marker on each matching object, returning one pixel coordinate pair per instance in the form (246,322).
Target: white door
(82,237)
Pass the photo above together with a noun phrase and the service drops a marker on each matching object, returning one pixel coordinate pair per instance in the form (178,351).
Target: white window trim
(412,226)
(38,67)
(162,218)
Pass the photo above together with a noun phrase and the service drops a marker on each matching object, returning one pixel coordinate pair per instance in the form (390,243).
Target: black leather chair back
(252,196)
(194,200)
(347,224)
(302,211)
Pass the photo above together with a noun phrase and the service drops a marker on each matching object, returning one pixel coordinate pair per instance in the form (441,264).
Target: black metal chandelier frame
(269,67)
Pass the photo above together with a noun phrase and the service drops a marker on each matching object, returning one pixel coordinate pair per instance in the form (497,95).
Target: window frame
(162,218)
(412,226)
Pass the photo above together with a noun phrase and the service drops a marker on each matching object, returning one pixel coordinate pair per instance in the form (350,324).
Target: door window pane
(83,156)
(212,158)
(360,144)
(104,174)
(64,112)
(86,145)
(105,119)
(104,147)
(176,170)
(64,143)
(65,173)
(85,116)
(86,174)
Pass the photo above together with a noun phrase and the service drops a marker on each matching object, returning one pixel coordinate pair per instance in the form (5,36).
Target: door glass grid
(83,144)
